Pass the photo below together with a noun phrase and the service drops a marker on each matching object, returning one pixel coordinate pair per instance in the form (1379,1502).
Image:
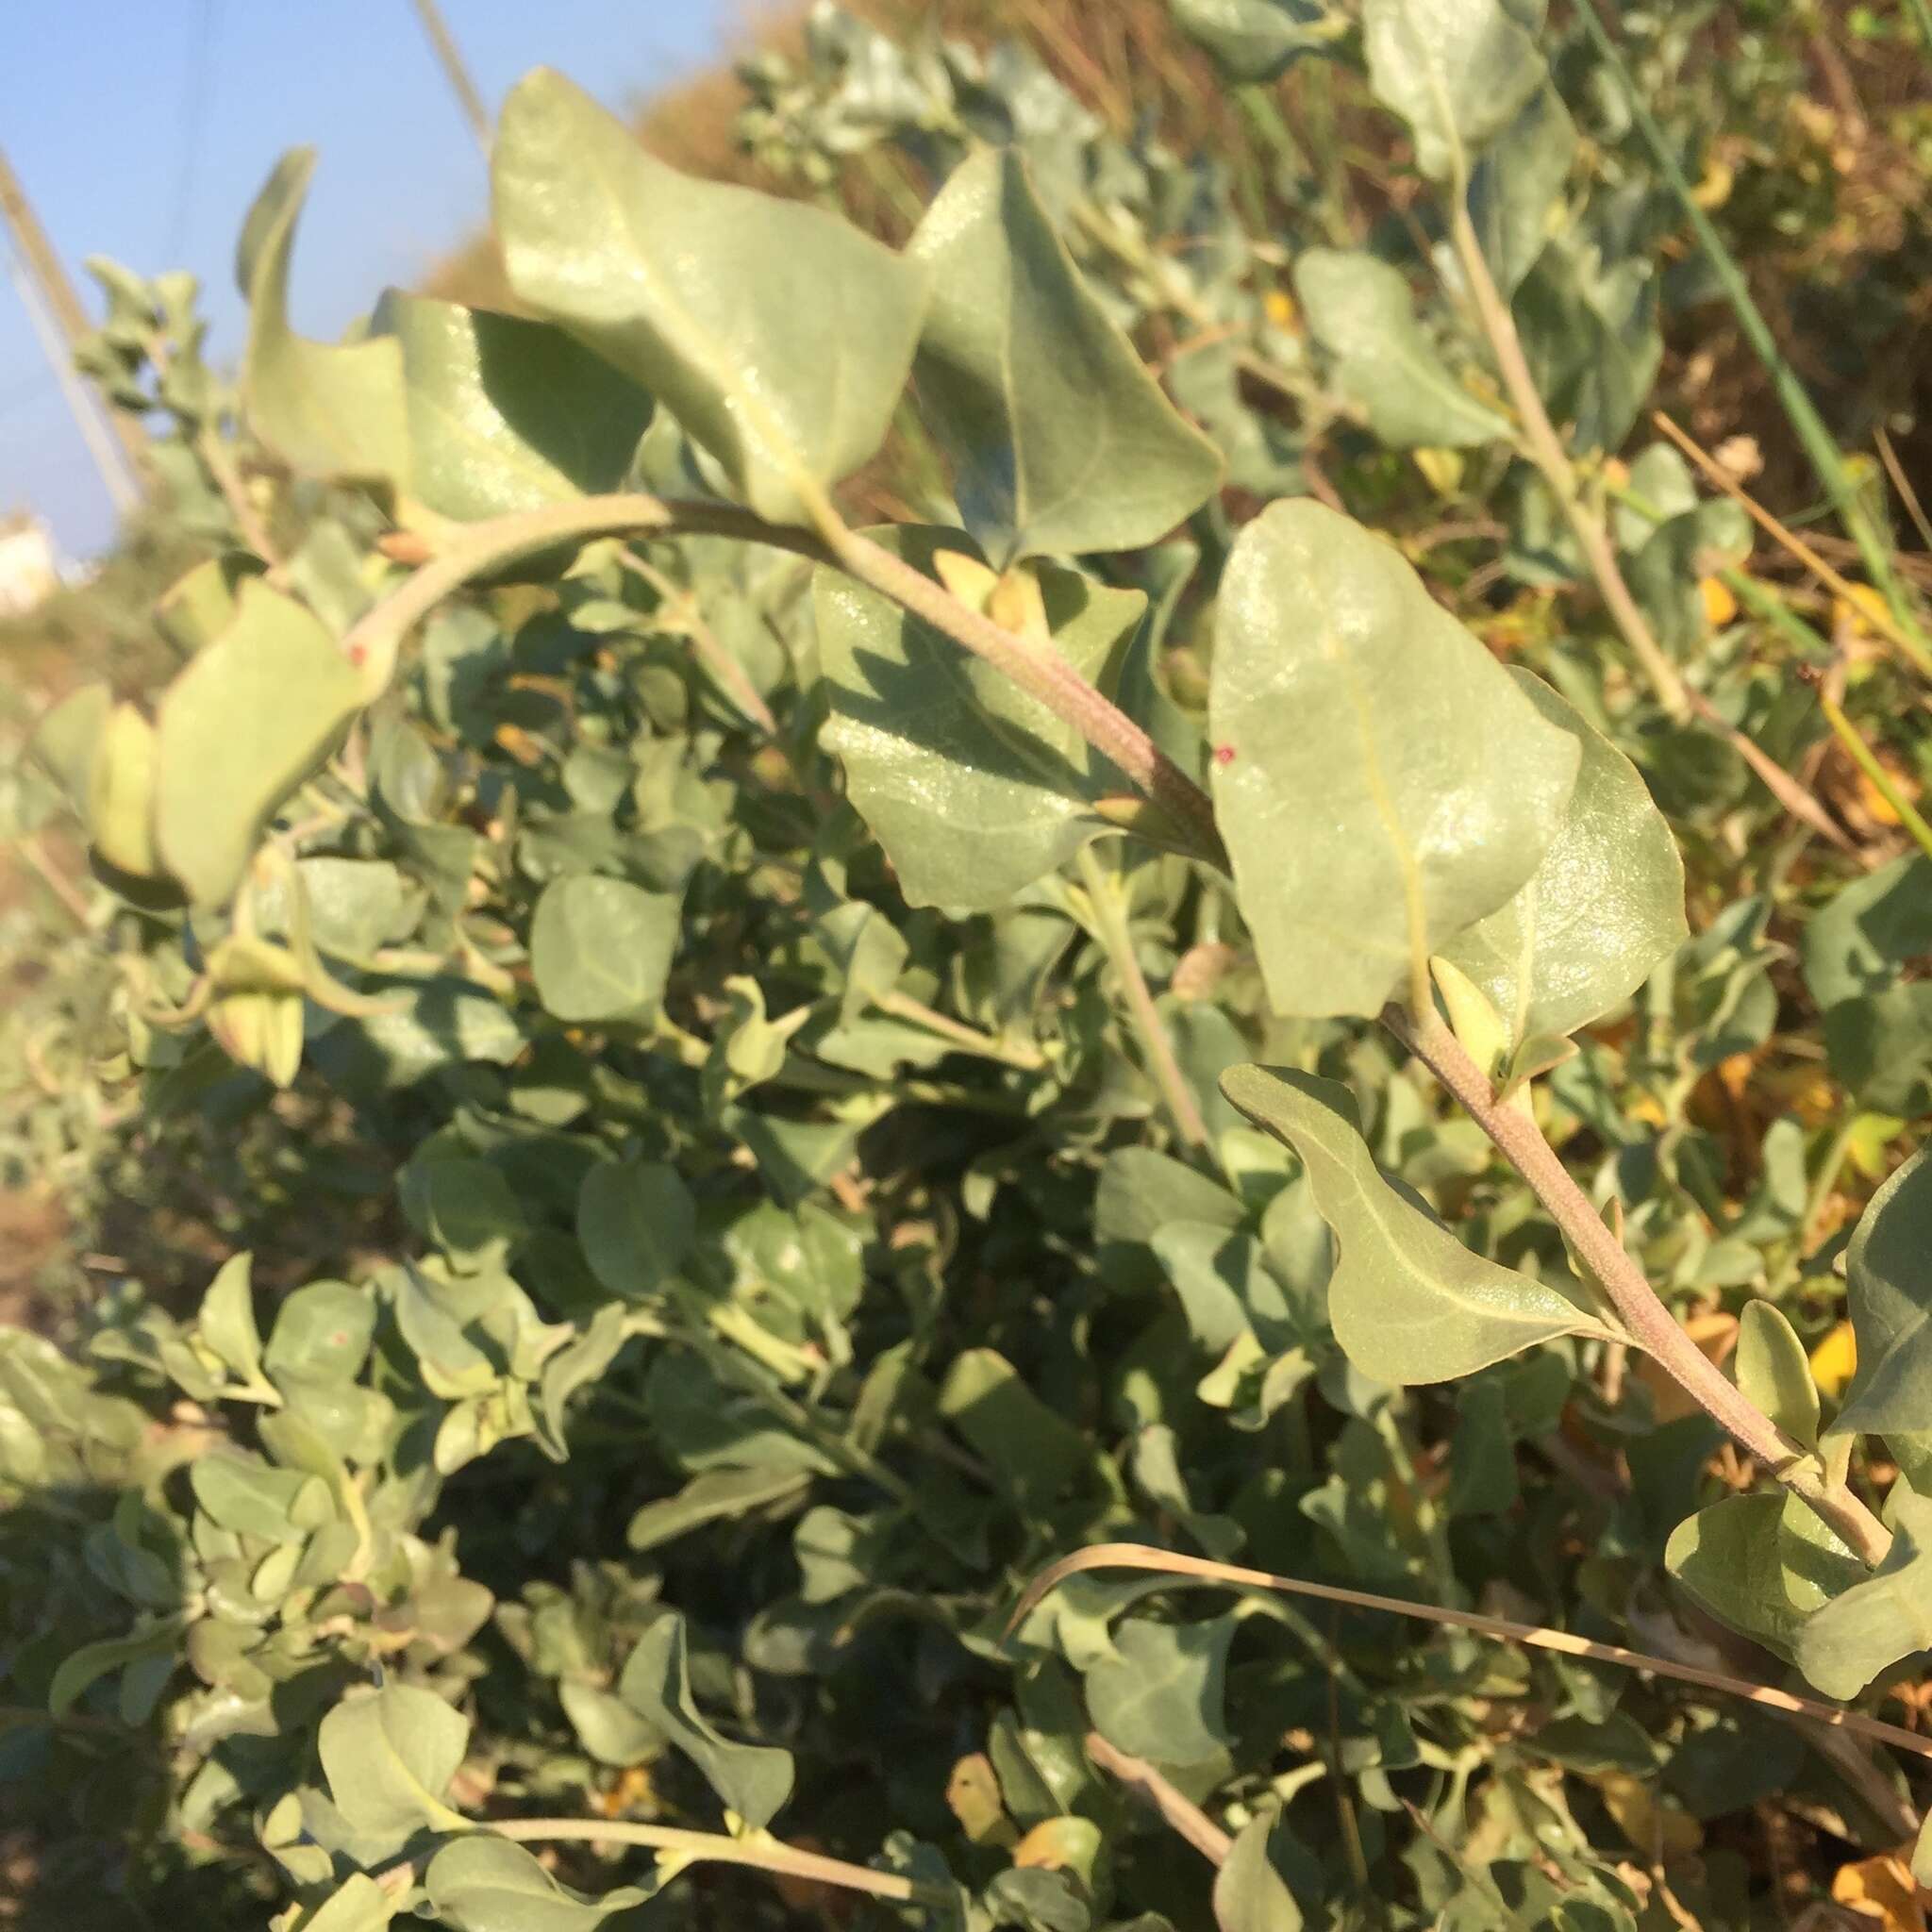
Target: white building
(29,570)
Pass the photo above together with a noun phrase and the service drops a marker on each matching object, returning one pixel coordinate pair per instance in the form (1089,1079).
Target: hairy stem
(681,605)
(1545,448)
(763,1852)
(1117,940)
(373,645)
(1043,673)
(1651,1325)
(1145,1781)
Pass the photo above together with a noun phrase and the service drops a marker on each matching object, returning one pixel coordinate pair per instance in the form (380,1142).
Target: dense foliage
(1258,968)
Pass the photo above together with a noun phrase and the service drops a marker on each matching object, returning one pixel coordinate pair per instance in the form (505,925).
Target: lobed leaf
(239,729)
(333,410)
(1382,783)
(974,788)
(1605,903)
(1409,1302)
(778,334)
(1061,441)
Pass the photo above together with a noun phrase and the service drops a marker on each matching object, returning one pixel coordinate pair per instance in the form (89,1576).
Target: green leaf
(1773,1372)
(1031,1446)
(974,788)
(226,1321)
(1457,70)
(1869,1627)
(465,1207)
(1888,1266)
(1381,781)
(1409,1302)
(1061,441)
(389,1757)
(1360,311)
(711,1496)
(323,1332)
(1160,1694)
(359,1905)
(81,1668)
(601,948)
(504,414)
(243,1493)
(778,334)
(238,730)
(607,1727)
(1728,1557)
(1516,184)
(485,1884)
(1871,926)
(1603,906)
(1254,41)
(636,1223)
(753,1780)
(326,408)
(1250,1895)
(1589,326)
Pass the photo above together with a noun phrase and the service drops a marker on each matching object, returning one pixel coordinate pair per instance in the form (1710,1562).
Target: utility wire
(194,101)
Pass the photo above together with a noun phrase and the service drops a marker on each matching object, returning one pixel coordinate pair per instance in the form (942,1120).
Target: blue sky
(141,128)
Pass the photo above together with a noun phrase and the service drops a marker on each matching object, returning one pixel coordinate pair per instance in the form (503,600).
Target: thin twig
(1545,448)
(1171,1563)
(1883,782)
(1116,938)
(55,882)
(684,608)
(1787,539)
(1772,775)
(1652,1326)
(1903,483)
(1144,1781)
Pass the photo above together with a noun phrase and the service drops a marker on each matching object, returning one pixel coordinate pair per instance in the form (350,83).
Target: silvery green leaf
(505,414)
(1254,41)
(1061,441)
(1250,1895)
(1605,905)
(389,1755)
(753,1780)
(1772,1371)
(226,1321)
(1590,334)
(1888,1267)
(1381,781)
(777,333)
(1362,312)
(1888,1616)
(1515,186)
(485,1884)
(1457,70)
(1160,1694)
(974,788)
(247,720)
(601,948)
(1409,1302)
(326,409)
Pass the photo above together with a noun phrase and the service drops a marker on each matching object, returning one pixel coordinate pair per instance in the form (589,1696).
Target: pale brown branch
(1145,1782)
(1202,1569)
(1650,1324)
